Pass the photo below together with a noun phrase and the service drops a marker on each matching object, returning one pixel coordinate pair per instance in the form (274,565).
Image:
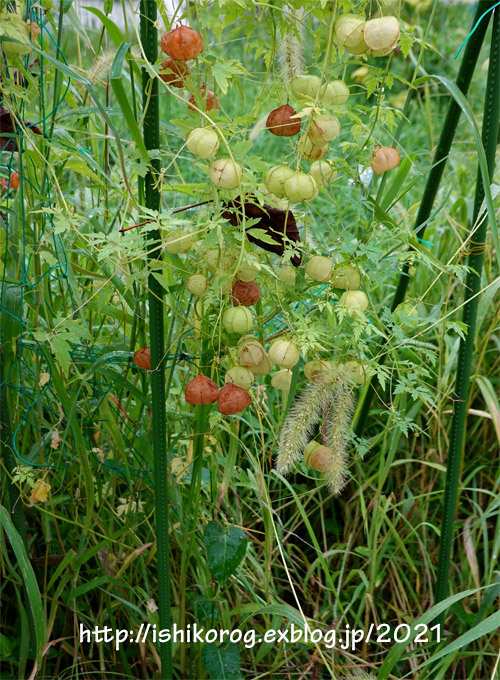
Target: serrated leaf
(225,550)
(222,663)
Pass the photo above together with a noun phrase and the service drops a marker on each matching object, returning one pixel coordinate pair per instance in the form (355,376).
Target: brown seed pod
(211,100)
(281,123)
(173,72)
(201,390)
(233,399)
(142,358)
(245,293)
(182,43)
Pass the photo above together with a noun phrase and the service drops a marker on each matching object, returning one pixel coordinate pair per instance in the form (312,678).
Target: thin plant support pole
(491,120)
(464,77)
(151,132)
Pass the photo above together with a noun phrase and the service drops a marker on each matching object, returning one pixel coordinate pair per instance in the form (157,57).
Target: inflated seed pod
(240,376)
(300,187)
(319,268)
(335,92)
(284,353)
(305,87)
(182,43)
(385,158)
(250,353)
(381,35)
(203,142)
(349,33)
(263,368)
(323,128)
(282,123)
(245,293)
(237,320)
(247,272)
(355,301)
(201,390)
(317,369)
(198,285)
(207,99)
(282,380)
(306,149)
(275,179)
(225,173)
(346,277)
(317,456)
(288,275)
(323,172)
(232,399)
(357,371)
(174,72)
(178,242)
(142,358)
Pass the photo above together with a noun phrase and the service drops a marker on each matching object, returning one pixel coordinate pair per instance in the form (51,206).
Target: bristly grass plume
(290,56)
(331,398)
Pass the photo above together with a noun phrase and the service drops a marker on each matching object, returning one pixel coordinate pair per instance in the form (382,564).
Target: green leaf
(225,550)
(29,580)
(222,663)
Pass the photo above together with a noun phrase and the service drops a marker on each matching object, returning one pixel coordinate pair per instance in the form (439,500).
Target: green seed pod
(247,272)
(282,380)
(323,172)
(355,301)
(264,368)
(288,276)
(317,456)
(319,268)
(225,173)
(323,129)
(203,142)
(300,187)
(305,87)
(198,285)
(237,320)
(275,179)
(356,371)
(217,258)
(12,26)
(178,242)
(306,149)
(336,92)
(346,277)
(284,353)
(240,376)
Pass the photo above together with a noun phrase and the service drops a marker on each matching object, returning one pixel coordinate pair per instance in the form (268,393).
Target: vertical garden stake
(471,299)
(149,39)
(464,77)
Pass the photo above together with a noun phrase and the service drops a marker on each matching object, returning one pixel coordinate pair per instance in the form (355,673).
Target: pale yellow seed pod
(324,128)
(240,376)
(319,268)
(282,380)
(284,353)
(225,173)
(310,151)
(335,92)
(323,172)
(178,242)
(317,456)
(381,35)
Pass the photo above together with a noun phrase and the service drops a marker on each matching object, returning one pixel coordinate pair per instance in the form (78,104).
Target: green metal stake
(149,39)
(473,285)
(464,77)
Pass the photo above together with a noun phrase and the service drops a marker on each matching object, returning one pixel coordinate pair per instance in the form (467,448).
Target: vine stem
(151,134)
(491,120)
(464,78)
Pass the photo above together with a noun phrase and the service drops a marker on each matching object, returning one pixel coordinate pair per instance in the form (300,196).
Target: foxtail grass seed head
(290,57)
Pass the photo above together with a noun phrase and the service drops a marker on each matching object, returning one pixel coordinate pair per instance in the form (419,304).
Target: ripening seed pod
(203,142)
(319,268)
(275,179)
(284,353)
(282,380)
(247,272)
(209,99)
(349,33)
(245,293)
(306,149)
(240,376)
(198,285)
(385,158)
(317,456)
(346,277)
(225,173)
(300,187)
(264,368)
(201,390)
(142,358)
(288,276)
(237,320)
(305,87)
(178,242)
(317,369)
(282,123)
(355,301)
(250,352)
(182,43)
(381,35)
(232,399)
(174,72)
(335,92)
(323,172)
(324,128)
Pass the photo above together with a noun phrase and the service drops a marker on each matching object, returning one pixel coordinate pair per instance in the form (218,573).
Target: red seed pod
(211,100)
(173,72)
(182,43)
(245,293)
(142,358)
(233,399)
(281,123)
(201,390)
(14,180)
